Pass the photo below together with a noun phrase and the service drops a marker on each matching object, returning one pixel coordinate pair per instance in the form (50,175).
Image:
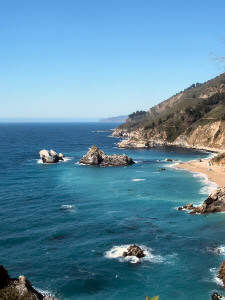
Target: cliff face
(210,136)
(18,288)
(194,118)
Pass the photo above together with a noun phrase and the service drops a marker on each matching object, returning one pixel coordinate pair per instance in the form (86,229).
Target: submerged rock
(50,157)
(216,296)
(188,206)
(21,288)
(97,157)
(134,250)
(214,203)
(221,274)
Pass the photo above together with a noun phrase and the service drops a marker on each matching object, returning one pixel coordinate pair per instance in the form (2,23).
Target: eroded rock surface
(95,156)
(134,250)
(21,288)
(50,157)
(214,203)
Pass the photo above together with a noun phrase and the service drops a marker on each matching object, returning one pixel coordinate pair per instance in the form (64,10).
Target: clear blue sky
(102,58)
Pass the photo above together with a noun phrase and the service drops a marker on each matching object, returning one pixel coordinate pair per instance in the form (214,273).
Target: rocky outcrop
(133,144)
(134,250)
(212,90)
(50,157)
(189,206)
(97,157)
(218,160)
(21,288)
(221,274)
(214,203)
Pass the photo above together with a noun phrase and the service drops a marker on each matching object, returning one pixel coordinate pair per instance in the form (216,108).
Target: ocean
(65,226)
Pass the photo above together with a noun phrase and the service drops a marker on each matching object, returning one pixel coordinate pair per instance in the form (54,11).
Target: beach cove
(65,225)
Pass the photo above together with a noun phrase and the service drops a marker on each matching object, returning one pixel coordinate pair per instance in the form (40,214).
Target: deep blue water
(67,251)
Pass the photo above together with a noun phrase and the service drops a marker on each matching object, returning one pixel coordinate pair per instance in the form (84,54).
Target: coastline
(213,172)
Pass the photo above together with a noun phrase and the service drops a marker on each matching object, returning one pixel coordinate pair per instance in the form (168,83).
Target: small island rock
(97,157)
(50,157)
(134,250)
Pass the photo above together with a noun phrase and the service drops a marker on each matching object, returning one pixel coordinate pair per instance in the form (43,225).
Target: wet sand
(214,173)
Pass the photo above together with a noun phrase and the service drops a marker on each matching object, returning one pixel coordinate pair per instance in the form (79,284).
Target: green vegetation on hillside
(183,113)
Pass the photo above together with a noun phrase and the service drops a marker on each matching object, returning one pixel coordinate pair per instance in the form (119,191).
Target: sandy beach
(214,173)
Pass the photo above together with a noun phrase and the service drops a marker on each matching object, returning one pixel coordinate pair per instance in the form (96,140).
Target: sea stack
(50,157)
(95,156)
(134,250)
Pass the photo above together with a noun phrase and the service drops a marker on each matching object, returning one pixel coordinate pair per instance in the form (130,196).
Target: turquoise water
(68,252)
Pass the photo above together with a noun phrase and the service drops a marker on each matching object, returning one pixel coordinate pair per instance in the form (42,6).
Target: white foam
(220,250)
(117,253)
(66,206)
(138,179)
(215,279)
(174,166)
(209,185)
(66,159)
(39,161)
(138,161)
(44,292)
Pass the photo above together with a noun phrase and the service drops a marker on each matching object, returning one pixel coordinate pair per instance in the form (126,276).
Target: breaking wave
(138,179)
(117,253)
(209,185)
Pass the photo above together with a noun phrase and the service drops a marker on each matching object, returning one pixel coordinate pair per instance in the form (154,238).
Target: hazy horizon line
(50,120)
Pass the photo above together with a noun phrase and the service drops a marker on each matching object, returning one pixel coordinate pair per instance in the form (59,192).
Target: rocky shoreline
(140,139)
(214,203)
(18,288)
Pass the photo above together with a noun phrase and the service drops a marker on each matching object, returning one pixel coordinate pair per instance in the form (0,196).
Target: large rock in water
(134,250)
(21,288)
(97,157)
(214,203)
(50,157)
(221,274)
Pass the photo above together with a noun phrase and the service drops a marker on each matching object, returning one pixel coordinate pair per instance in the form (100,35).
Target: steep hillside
(194,117)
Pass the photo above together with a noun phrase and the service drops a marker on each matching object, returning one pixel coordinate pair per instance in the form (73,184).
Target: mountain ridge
(114,119)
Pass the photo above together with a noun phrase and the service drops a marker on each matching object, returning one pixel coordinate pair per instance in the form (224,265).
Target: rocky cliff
(194,118)
(18,289)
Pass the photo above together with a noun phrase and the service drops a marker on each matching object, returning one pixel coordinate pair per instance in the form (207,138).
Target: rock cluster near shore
(221,274)
(50,157)
(134,250)
(214,203)
(97,157)
(21,288)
